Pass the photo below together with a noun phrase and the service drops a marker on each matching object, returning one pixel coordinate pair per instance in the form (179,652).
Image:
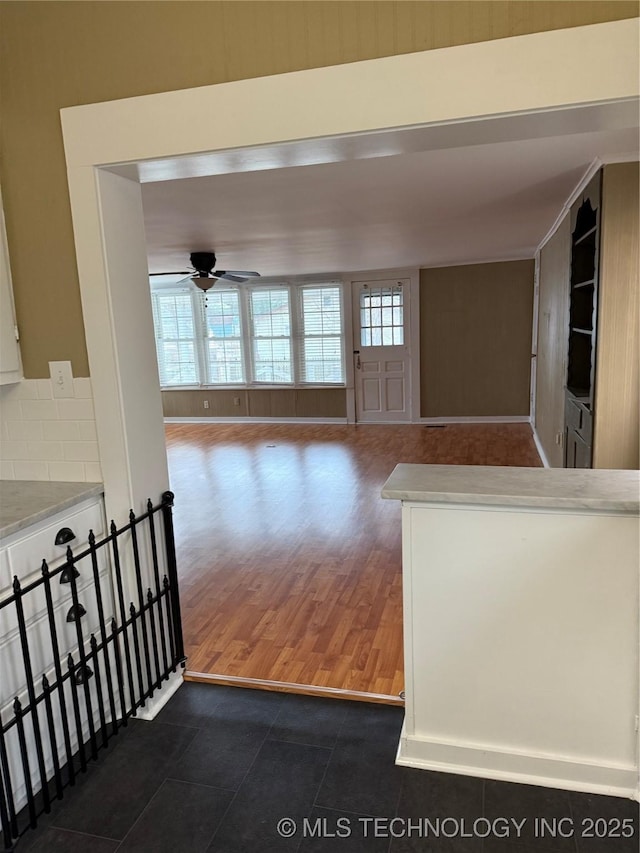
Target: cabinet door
(583,454)
(570,449)
(578,452)
(10,365)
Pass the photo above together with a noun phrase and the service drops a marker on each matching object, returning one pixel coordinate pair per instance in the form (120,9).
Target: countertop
(563,488)
(26,502)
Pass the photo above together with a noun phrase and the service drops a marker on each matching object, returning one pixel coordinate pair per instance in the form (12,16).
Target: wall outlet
(206,404)
(61,378)
(236,401)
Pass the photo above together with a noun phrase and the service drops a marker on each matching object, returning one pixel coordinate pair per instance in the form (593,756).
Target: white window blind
(320,351)
(263,334)
(175,338)
(222,328)
(270,318)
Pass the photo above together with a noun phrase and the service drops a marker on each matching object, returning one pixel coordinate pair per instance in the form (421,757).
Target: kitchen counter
(521,614)
(26,502)
(559,488)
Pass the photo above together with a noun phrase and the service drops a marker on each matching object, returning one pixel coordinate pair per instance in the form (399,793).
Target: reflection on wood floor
(289,560)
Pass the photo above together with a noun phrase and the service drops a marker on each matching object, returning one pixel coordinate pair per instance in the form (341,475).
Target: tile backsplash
(42,438)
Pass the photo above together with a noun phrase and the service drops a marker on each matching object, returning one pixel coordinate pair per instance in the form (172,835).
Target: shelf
(586,283)
(580,395)
(582,331)
(585,235)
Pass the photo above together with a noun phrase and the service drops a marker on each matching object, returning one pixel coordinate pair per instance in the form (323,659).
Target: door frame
(534,340)
(413,335)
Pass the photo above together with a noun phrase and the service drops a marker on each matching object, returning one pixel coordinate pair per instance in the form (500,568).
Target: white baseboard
(540,448)
(488,419)
(510,766)
(251,420)
(481,419)
(160,698)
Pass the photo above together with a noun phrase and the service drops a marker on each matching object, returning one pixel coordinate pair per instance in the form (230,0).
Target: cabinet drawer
(34,603)
(26,555)
(39,638)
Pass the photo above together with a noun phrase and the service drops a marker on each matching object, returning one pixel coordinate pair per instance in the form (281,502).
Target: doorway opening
(112,147)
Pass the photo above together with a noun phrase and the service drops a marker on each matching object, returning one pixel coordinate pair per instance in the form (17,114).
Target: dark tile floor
(220,767)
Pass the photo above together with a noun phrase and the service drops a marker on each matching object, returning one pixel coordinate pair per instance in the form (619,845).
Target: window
(175,338)
(222,337)
(254,334)
(270,314)
(381,316)
(321,334)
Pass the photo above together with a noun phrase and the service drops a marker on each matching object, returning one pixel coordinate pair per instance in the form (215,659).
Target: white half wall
(521,644)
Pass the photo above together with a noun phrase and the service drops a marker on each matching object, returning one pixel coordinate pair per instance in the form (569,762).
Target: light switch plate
(61,378)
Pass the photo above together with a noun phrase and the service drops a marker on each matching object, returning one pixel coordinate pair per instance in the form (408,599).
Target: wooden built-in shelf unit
(583,297)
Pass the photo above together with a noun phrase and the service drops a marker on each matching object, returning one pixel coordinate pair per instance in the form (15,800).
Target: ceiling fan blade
(235,275)
(168,280)
(228,276)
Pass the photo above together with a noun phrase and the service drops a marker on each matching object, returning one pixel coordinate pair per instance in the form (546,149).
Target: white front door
(381,351)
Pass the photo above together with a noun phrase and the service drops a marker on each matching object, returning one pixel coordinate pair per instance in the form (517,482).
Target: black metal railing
(95,637)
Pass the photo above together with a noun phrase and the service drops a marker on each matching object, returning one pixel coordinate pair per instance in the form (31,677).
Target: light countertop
(25,502)
(564,488)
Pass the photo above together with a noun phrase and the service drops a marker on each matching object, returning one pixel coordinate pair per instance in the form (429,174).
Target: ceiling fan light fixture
(203,281)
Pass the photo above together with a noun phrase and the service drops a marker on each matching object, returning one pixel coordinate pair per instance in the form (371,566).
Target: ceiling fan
(203,274)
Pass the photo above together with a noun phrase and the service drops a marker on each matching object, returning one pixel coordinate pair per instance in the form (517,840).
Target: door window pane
(381,316)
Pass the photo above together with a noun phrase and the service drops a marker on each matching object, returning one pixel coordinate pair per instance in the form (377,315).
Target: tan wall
(267,403)
(553,330)
(58,54)
(475,339)
(617,401)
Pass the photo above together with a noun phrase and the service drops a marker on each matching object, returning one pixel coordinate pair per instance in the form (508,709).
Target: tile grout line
(136,821)
(244,778)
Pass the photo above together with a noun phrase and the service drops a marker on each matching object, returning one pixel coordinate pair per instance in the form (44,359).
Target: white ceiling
(480,201)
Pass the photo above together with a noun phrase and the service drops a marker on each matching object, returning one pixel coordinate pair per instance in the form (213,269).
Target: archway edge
(541,71)
(525,74)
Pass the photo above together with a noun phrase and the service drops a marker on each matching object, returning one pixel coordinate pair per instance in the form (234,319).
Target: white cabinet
(21,556)
(10,364)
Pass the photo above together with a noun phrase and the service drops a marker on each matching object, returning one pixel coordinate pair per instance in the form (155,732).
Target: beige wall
(57,54)
(267,403)
(475,339)
(617,400)
(553,330)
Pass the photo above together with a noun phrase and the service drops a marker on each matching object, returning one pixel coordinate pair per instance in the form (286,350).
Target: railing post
(172,574)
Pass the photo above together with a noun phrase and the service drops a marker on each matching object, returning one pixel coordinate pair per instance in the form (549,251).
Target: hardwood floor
(289,560)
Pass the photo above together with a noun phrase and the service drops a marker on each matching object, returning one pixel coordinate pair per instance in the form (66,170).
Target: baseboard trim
(509,766)
(480,419)
(290,687)
(153,706)
(540,448)
(485,419)
(252,420)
